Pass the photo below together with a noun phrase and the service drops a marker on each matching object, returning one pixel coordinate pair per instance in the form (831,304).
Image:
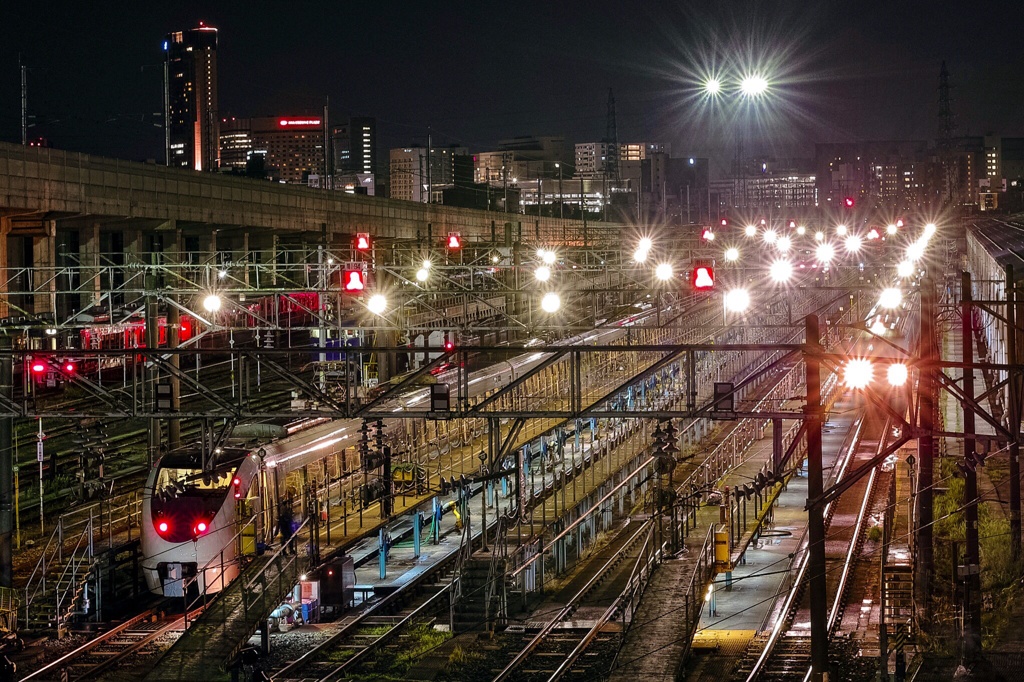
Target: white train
(190,529)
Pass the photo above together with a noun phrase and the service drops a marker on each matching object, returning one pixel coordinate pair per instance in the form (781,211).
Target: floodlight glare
(857,374)
(663,271)
(549,257)
(853,243)
(915,251)
(426,265)
(640,255)
(377,304)
(897,374)
(750,230)
(878,327)
(825,253)
(753,85)
(905,269)
(890,228)
(542,273)
(890,298)
(841,230)
(551,302)
(422,274)
(645,244)
(929,229)
(801,230)
(732,254)
(712,86)
(737,300)
(770,236)
(212,303)
(783,244)
(781,270)
(819,236)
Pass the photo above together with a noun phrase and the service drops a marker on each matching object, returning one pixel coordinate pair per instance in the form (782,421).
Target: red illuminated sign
(297,122)
(454,240)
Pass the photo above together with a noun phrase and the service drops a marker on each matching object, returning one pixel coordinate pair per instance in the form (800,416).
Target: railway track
(786,653)
(99,656)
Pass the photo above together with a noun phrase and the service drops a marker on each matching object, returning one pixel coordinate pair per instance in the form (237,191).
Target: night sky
(478,72)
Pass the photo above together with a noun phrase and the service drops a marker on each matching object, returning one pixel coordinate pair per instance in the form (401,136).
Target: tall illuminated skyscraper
(193,131)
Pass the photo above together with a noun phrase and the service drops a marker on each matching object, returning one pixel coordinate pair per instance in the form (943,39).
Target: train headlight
(201,526)
(163,526)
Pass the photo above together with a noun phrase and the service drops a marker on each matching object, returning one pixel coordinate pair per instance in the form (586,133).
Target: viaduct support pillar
(89,254)
(5,273)
(44,282)
(925,565)
(6,465)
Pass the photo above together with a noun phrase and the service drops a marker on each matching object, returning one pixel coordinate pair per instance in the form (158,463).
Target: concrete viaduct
(57,205)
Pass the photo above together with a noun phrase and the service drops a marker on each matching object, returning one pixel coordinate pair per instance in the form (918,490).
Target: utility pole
(167,110)
(926,448)
(971,571)
(815,514)
(429,145)
(24,103)
(1013,420)
(6,464)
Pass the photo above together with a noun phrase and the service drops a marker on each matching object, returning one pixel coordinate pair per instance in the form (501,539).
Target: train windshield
(193,480)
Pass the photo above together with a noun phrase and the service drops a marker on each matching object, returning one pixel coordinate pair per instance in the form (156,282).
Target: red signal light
(725,222)
(899,222)
(703,277)
(707,235)
(449,346)
(362,241)
(848,202)
(454,240)
(38,367)
(353,281)
(69,367)
(199,528)
(236,482)
(792,224)
(163,526)
(330,572)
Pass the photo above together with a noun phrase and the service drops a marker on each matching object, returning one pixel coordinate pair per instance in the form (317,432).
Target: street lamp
(712,86)
(422,274)
(770,236)
(841,230)
(853,243)
(825,253)
(663,271)
(915,251)
(212,303)
(783,244)
(549,257)
(753,85)
(732,254)
(905,269)
(750,230)
(377,304)
(542,273)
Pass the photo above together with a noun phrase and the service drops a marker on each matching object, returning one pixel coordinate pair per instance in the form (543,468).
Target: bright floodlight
(929,229)
(549,257)
(645,244)
(377,304)
(905,269)
(825,253)
(542,273)
(750,230)
(857,374)
(732,254)
(915,251)
(878,328)
(783,244)
(897,374)
(890,298)
(422,274)
(663,271)
(712,86)
(737,300)
(781,270)
(640,255)
(212,303)
(426,265)
(801,230)
(819,236)
(770,236)
(551,302)
(840,230)
(853,243)
(752,86)
(890,228)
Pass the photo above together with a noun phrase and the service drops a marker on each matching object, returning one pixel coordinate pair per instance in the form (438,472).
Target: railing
(72,578)
(496,583)
(9,605)
(216,563)
(464,553)
(53,554)
(695,595)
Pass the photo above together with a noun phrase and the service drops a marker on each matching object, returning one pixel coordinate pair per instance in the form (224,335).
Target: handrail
(71,570)
(40,569)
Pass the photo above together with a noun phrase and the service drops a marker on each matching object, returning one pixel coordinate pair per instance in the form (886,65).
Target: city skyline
(456,78)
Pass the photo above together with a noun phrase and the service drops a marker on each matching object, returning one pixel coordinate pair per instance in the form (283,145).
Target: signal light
(362,241)
(69,367)
(725,222)
(707,235)
(163,526)
(899,222)
(454,241)
(848,202)
(353,281)
(792,224)
(449,346)
(38,367)
(703,277)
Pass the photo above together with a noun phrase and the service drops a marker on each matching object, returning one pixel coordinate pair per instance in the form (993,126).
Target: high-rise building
(193,130)
(355,146)
(293,146)
(412,170)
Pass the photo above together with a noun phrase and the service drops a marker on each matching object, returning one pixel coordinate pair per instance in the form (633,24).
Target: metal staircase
(56,588)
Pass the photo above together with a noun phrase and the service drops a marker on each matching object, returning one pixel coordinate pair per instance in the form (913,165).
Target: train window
(194,479)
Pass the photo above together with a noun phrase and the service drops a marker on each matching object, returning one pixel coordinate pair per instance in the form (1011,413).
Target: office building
(193,130)
(292,146)
(413,170)
(355,146)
